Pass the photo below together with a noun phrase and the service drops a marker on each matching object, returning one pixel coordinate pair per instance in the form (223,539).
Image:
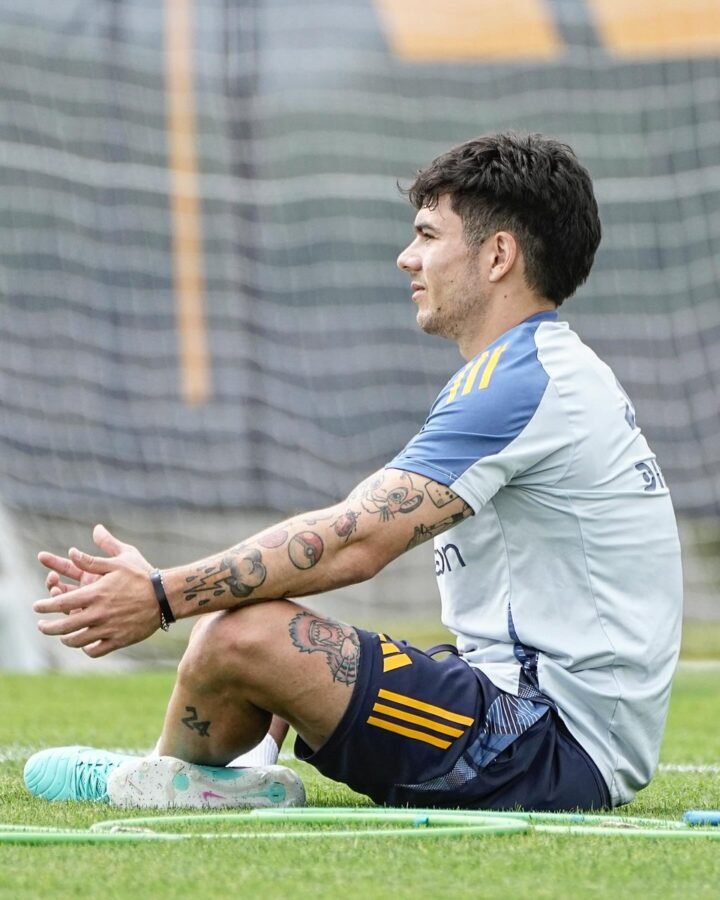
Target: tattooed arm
(387,514)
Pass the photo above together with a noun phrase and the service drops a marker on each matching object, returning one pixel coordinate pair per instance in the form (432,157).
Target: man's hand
(113,604)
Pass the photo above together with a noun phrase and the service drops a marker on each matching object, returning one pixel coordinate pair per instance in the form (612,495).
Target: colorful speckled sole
(163,782)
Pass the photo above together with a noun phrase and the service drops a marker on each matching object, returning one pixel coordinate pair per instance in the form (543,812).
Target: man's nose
(408,261)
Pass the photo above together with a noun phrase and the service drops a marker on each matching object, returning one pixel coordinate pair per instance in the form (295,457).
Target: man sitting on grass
(556,553)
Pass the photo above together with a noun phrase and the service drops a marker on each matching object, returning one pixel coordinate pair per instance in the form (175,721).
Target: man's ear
(504,252)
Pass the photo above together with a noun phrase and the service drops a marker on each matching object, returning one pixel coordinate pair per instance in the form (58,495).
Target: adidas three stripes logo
(417,720)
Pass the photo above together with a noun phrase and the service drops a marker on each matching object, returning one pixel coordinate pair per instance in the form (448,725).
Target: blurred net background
(201,325)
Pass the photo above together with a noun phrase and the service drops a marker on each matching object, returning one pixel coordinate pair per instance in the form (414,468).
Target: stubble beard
(452,322)
(430,321)
(464,306)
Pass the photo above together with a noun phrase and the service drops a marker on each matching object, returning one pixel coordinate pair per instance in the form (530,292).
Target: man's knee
(279,657)
(222,645)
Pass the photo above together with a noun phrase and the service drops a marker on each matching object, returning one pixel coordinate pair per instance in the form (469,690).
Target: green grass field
(124,711)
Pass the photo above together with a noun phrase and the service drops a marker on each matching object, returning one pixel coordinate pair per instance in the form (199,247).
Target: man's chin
(429,323)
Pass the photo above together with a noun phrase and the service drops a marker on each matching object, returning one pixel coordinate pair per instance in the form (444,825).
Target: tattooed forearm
(391,511)
(358,492)
(440,494)
(305,549)
(241,574)
(315,519)
(273,539)
(423,532)
(400,496)
(340,644)
(192,721)
(346,524)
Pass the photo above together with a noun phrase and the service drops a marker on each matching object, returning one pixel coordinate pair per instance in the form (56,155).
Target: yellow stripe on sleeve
(472,374)
(490,367)
(456,385)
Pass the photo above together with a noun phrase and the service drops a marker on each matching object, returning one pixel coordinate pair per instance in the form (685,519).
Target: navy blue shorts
(421,731)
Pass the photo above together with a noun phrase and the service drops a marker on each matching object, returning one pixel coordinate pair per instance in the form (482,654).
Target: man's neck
(497,321)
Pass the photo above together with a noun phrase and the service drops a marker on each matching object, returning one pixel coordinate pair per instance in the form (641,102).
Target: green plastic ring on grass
(409,823)
(430,824)
(534,818)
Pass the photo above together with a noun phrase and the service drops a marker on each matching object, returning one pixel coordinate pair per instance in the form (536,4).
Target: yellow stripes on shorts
(418,720)
(425,707)
(409,732)
(393,656)
(394,715)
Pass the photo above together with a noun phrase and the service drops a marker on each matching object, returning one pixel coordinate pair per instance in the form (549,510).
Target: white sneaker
(163,782)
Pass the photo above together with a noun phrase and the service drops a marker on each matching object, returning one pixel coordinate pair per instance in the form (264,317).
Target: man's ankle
(264,754)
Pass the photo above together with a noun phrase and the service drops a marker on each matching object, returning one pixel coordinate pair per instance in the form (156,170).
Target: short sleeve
(472,440)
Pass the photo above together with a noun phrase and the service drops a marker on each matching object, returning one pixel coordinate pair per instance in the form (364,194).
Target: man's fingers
(100,648)
(56,587)
(107,541)
(52,580)
(95,565)
(60,564)
(82,638)
(76,639)
(77,565)
(73,621)
(66,601)
(94,642)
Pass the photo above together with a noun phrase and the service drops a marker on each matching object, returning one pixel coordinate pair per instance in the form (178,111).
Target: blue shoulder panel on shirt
(483,407)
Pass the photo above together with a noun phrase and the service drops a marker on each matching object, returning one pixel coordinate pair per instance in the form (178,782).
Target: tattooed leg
(338,642)
(209,723)
(194,724)
(243,666)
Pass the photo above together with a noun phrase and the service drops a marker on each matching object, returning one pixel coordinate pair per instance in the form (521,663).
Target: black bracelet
(166,613)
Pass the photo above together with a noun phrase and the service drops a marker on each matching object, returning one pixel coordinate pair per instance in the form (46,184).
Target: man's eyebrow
(422,225)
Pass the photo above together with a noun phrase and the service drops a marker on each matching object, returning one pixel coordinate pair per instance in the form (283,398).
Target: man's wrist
(167,616)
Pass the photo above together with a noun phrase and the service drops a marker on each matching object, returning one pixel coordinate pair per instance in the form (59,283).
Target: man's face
(444,272)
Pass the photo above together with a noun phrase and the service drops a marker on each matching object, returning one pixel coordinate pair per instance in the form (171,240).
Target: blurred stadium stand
(294,367)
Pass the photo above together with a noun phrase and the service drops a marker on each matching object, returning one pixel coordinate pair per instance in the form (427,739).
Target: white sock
(264,754)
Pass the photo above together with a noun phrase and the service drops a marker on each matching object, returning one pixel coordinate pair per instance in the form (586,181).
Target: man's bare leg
(240,668)
(243,666)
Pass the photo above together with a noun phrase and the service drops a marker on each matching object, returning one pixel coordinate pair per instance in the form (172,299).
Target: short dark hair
(529,185)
